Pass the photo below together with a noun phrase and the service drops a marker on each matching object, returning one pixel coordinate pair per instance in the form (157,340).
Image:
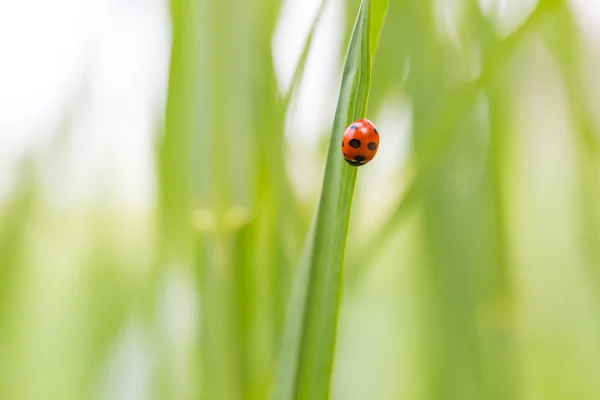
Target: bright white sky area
(107,61)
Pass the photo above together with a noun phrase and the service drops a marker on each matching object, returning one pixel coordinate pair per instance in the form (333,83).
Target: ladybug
(360,142)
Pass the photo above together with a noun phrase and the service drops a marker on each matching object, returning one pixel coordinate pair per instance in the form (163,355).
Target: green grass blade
(309,340)
(318,339)
(378,14)
(299,72)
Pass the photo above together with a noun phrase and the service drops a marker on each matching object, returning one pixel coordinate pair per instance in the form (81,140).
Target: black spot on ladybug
(344,154)
(342,142)
(359,158)
(375,130)
(353,163)
(354,127)
(372,146)
(354,143)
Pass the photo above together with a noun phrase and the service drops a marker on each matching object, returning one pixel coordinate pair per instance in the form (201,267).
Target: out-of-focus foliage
(472,259)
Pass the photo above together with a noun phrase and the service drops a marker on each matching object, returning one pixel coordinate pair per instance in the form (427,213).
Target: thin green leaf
(378,13)
(309,341)
(299,72)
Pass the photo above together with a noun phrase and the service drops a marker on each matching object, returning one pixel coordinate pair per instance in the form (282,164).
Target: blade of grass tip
(306,374)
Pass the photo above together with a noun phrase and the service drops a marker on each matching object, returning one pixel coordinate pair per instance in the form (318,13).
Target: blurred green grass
(477,279)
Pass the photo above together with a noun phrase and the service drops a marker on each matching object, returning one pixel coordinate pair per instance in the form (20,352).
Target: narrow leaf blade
(307,363)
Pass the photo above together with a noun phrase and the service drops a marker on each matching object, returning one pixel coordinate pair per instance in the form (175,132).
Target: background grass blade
(307,365)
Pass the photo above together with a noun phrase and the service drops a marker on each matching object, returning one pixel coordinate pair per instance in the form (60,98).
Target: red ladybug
(360,142)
